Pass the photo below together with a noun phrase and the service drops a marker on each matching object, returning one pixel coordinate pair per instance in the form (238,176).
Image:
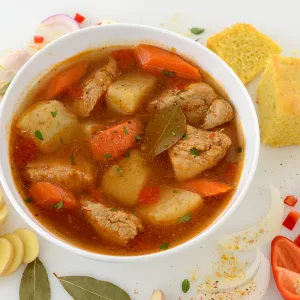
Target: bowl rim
(211,229)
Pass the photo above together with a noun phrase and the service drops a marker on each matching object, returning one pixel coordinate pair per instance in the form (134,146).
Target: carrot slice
(47,194)
(113,142)
(207,188)
(154,59)
(64,79)
(285,259)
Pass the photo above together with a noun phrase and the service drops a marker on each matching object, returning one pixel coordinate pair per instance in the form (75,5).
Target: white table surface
(278,19)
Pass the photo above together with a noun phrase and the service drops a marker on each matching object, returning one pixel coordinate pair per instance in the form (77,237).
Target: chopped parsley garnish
(175,192)
(119,169)
(138,138)
(185,136)
(166,145)
(57,205)
(194,151)
(180,92)
(127,153)
(114,209)
(125,130)
(72,158)
(197,30)
(239,149)
(185,285)
(54,114)
(169,73)
(107,155)
(28,200)
(39,135)
(185,218)
(115,132)
(164,246)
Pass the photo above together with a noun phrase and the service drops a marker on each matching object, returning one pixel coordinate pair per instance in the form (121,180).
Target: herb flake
(119,169)
(194,151)
(54,114)
(175,191)
(28,200)
(138,138)
(72,158)
(164,246)
(169,73)
(197,30)
(185,136)
(185,218)
(125,130)
(107,155)
(185,285)
(114,208)
(127,153)
(57,205)
(39,135)
(239,149)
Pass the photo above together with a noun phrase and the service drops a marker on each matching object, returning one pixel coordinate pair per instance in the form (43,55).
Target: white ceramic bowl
(121,34)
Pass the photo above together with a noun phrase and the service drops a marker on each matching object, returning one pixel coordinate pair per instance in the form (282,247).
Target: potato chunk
(49,124)
(125,179)
(127,93)
(171,206)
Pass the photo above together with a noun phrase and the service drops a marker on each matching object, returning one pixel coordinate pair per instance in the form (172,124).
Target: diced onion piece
(261,233)
(291,220)
(51,29)
(9,66)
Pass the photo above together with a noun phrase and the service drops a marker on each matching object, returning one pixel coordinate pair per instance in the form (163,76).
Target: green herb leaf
(83,287)
(185,285)
(57,205)
(197,30)
(194,151)
(169,73)
(114,209)
(127,153)
(138,138)
(35,283)
(72,158)
(119,169)
(39,135)
(185,136)
(160,129)
(115,132)
(185,218)
(107,155)
(4,89)
(239,149)
(28,200)
(175,192)
(164,246)
(54,114)
(125,130)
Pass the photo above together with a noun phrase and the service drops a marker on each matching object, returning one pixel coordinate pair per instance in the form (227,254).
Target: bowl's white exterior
(122,34)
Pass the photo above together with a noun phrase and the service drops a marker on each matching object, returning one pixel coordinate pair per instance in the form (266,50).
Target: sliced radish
(9,66)
(51,29)
(261,233)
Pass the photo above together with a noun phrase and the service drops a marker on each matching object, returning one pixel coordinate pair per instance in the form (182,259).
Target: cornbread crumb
(279,102)
(244,49)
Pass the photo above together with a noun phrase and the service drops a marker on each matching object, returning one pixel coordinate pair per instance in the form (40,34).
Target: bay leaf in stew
(84,287)
(165,128)
(35,283)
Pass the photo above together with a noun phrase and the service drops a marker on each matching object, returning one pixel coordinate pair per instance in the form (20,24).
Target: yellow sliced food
(3,214)
(31,244)
(18,252)
(2,202)
(6,255)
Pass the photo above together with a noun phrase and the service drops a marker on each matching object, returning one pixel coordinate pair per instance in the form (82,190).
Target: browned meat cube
(75,177)
(117,226)
(93,88)
(198,152)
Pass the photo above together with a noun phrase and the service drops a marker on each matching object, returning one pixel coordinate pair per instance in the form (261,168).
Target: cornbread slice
(244,49)
(279,102)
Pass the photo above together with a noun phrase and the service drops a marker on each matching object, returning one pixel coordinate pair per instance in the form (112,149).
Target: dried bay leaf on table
(35,283)
(89,288)
(165,128)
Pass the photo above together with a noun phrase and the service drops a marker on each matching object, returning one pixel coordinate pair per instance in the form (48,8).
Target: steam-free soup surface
(126,150)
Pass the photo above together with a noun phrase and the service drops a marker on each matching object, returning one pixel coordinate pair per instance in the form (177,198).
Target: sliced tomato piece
(291,220)
(297,240)
(285,259)
(291,200)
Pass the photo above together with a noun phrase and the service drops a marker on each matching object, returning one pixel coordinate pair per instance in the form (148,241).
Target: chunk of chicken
(93,88)
(75,177)
(116,226)
(220,112)
(195,102)
(198,152)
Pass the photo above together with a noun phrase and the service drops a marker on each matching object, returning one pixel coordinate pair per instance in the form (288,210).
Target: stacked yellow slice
(19,247)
